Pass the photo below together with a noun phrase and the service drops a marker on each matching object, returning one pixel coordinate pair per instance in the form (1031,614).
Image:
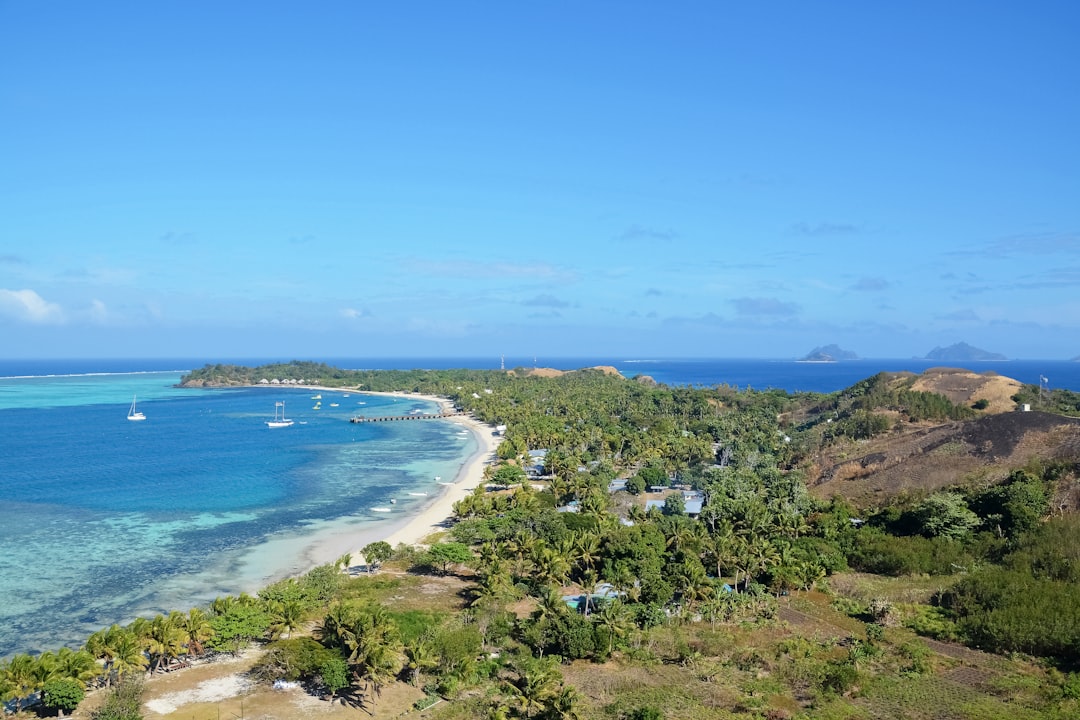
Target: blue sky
(696,179)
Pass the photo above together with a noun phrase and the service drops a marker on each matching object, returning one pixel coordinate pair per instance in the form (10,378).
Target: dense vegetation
(577,574)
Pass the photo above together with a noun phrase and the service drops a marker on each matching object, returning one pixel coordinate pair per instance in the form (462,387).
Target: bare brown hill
(552,372)
(984,450)
(964,387)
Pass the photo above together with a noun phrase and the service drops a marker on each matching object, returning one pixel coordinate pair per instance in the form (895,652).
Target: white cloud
(28,306)
(354,314)
(98,312)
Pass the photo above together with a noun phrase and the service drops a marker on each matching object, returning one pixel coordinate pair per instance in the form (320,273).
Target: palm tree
(615,618)
(419,657)
(285,617)
(369,636)
(45,669)
(567,704)
(18,678)
(520,547)
(120,649)
(336,628)
(77,665)
(551,605)
(125,652)
(589,581)
(551,565)
(587,548)
(197,630)
(163,640)
(535,686)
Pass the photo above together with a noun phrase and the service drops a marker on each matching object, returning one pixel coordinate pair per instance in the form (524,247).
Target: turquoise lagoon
(106,520)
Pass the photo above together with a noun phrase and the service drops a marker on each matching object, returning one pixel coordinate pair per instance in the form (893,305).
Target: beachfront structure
(693,501)
(537,458)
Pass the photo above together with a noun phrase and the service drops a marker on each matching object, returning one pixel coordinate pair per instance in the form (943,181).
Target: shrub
(839,676)
(877,552)
(334,673)
(63,694)
(292,659)
(122,702)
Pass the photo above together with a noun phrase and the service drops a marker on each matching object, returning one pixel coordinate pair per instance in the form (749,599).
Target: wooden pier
(413,416)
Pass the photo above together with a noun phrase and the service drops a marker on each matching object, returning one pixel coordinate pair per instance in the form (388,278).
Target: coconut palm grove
(641,551)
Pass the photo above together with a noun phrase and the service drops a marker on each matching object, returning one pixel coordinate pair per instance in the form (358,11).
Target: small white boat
(333,404)
(380,509)
(393,501)
(279,420)
(345,395)
(438,478)
(133,414)
(316,397)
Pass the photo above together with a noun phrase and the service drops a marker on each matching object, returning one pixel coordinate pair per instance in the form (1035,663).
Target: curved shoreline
(433,515)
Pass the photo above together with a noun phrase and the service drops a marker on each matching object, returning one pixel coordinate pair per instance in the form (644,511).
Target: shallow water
(108,519)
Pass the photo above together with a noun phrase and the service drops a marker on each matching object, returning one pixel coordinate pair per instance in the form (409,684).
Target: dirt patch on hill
(546,372)
(552,372)
(964,387)
(930,458)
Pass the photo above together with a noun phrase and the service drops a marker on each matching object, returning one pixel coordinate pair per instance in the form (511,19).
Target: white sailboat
(134,414)
(279,418)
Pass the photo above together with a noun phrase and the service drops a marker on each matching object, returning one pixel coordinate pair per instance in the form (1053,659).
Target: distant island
(962,352)
(828,353)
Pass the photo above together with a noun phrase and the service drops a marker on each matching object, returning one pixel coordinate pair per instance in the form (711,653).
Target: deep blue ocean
(107,519)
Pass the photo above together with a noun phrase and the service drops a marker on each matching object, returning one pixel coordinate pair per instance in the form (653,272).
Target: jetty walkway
(413,416)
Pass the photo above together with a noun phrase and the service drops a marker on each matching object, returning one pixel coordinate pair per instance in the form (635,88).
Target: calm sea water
(106,519)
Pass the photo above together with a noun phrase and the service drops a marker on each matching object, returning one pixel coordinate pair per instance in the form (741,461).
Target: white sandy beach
(439,508)
(470,475)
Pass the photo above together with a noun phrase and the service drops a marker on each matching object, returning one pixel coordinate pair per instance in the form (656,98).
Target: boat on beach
(133,414)
(279,420)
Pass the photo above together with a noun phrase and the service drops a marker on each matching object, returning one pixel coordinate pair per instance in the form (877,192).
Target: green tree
(446,555)
(509,475)
(63,694)
(334,674)
(945,514)
(376,554)
(238,626)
